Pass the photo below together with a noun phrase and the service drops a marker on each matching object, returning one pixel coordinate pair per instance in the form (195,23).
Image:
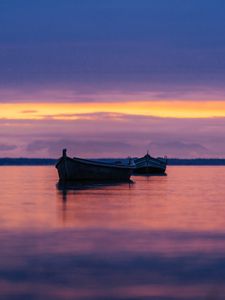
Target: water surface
(158,238)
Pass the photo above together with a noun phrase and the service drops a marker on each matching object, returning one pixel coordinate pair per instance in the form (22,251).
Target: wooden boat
(78,169)
(150,165)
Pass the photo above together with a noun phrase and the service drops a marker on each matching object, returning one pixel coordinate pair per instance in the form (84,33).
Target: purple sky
(92,51)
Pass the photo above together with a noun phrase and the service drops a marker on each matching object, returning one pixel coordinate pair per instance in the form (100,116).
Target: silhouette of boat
(150,165)
(79,169)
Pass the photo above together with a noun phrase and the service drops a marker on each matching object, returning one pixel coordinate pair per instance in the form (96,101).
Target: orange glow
(68,111)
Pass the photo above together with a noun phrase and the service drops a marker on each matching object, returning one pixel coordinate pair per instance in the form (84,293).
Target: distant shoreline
(171,161)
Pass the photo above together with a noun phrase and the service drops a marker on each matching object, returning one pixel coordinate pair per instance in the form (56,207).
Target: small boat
(150,165)
(79,169)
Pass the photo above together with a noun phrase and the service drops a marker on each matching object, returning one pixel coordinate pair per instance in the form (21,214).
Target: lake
(161,237)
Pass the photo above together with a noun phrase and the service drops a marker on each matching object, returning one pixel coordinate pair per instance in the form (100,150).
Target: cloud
(81,148)
(124,46)
(180,149)
(124,134)
(121,92)
(28,111)
(7,147)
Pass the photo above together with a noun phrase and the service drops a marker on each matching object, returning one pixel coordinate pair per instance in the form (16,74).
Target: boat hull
(149,170)
(75,169)
(150,165)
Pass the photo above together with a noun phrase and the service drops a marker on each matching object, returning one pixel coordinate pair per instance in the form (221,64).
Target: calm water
(159,238)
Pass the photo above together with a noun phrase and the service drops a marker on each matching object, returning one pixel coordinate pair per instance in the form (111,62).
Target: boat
(150,165)
(80,169)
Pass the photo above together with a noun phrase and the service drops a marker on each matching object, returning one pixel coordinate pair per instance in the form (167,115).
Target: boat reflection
(65,187)
(83,203)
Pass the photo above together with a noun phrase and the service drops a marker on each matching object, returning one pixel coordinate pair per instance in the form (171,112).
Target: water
(159,238)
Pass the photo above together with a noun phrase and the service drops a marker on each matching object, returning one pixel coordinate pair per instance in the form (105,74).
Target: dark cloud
(180,149)
(77,148)
(7,147)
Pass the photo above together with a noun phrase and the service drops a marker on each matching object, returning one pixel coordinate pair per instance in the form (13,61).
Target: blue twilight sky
(120,44)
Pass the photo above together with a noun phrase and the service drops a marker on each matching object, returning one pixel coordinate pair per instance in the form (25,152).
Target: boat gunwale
(154,163)
(144,159)
(95,163)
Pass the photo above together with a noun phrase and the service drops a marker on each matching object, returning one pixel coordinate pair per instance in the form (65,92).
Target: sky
(112,78)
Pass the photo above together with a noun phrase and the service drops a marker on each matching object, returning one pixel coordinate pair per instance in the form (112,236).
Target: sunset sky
(112,78)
